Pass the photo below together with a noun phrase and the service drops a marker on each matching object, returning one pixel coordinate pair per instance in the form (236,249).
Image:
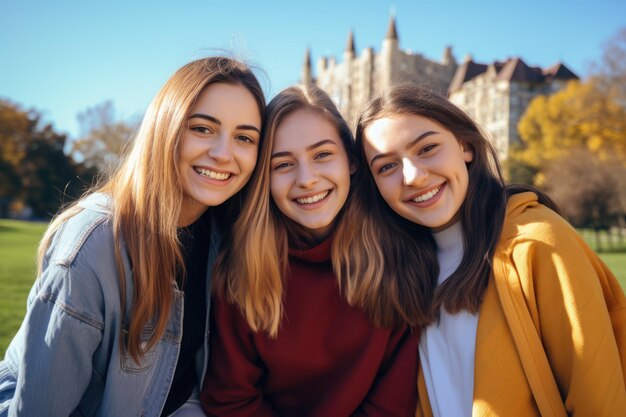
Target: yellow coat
(552,326)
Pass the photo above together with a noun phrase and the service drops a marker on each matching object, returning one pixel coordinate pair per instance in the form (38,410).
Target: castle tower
(448,57)
(307,73)
(350,51)
(391,38)
(348,69)
(388,53)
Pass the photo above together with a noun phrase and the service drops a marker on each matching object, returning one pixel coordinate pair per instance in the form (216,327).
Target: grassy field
(18,243)
(613,252)
(617,263)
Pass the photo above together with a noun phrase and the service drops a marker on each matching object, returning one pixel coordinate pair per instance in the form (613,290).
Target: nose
(307,176)
(412,172)
(221,150)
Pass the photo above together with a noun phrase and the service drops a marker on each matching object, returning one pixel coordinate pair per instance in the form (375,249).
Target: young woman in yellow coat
(521,317)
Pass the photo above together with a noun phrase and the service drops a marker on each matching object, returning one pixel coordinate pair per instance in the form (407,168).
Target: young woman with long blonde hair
(306,322)
(523,318)
(117,320)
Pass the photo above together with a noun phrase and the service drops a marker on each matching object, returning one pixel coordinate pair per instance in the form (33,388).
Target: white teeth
(312,199)
(427,196)
(212,174)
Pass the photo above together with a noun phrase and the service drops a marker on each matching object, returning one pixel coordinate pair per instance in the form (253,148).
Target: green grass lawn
(617,263)
(18,243)
(613,252)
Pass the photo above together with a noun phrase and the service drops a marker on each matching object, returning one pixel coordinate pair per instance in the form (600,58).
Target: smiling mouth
(220,176)
(313,199)
(426,196)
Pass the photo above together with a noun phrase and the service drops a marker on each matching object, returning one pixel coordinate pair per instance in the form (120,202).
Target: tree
(574,142)
(589,114)
(611,72)
(587,189)
(102,137)
(15,125)
(580,115)
(49,177)
(38,174)
(516,170)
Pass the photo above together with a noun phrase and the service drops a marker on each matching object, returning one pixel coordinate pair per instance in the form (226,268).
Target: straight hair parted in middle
(254,262)
(482,212)
(144,222)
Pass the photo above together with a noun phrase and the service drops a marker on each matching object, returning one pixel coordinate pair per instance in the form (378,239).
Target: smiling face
(419,168)
(310,171)
(219,147)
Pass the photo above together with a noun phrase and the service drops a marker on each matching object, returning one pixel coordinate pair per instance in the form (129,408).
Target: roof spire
(307,73)
(307,58)
(391,30)
(350,45)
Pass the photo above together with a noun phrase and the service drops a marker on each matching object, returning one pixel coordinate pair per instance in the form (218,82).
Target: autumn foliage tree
(580,115)
(13,127)
(34,170)
(574,142)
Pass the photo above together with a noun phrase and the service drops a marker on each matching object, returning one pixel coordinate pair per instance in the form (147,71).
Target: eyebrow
(217,122)
(408,146)
(308,148)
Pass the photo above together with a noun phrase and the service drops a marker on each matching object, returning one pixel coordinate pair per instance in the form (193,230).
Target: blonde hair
(254,281)
(144,222)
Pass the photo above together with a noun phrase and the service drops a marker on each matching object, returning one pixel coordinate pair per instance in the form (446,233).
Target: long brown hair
(482,212)
(380,266)
(144,222)
(254,281)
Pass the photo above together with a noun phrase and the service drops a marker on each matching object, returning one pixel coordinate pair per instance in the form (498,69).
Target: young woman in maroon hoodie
(309,319)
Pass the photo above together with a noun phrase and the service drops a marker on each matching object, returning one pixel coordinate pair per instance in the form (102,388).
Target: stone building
(495,95)
(358,78)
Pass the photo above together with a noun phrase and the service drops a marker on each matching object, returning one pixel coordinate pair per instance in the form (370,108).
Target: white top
(447,348)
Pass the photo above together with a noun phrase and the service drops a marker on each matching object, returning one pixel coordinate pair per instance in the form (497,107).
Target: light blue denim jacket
(65,359)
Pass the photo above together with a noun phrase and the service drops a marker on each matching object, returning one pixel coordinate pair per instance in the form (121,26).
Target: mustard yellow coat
(552,326)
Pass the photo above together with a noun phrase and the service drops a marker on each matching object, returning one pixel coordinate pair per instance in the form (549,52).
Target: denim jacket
(66,359)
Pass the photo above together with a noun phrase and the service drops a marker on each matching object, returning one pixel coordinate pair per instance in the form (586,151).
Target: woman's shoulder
(528,220)
(79,270)
(88,228)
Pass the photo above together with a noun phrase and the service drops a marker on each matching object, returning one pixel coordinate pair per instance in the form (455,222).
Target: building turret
(307,74)
(350,51)
(392,33)
(389,53)
(448,58)
(390,43)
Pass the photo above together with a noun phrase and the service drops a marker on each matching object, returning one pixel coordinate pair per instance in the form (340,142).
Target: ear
(468,152)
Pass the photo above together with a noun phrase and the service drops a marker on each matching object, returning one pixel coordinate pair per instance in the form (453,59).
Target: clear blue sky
(61,57)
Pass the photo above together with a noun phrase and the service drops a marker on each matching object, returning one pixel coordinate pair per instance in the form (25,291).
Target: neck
(455,219)
(190,212)
(302,237)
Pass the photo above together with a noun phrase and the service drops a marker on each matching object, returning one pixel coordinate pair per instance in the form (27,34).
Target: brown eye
(386,167)
(428,148)
(244,138)
(282,165)
(323,154)
(202,130)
